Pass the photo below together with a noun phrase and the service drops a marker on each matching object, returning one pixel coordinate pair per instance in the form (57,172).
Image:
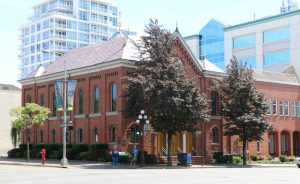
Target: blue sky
(191,16)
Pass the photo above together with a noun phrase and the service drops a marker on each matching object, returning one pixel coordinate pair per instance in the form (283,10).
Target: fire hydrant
(43,157)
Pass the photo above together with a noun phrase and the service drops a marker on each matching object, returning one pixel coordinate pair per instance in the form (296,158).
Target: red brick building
(98,118)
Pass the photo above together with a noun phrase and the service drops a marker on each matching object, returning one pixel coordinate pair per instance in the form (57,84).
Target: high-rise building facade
(212,42)
(271,43)
(60,25)
(209,44)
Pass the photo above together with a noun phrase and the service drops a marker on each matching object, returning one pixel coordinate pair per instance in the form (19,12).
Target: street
(36,175)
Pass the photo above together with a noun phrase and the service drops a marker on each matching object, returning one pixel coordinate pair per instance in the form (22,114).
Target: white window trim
(288,108)
(270,107)
(294,109)
(281,104)
(275,108)
(297,106)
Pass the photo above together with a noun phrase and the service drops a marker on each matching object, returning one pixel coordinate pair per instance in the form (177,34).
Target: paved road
(37,175)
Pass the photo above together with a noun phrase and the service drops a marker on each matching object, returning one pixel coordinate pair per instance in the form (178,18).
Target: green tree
(160,86)
(26,117)
(244,108)
(15,135)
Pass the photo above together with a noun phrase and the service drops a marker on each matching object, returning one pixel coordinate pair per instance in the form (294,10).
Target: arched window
(132,135)
(80,135)
(113,97)
(214,103)
(96,99)
(80,101)
(96,135)
(215,135)
(113,134)
(54,107)
(42,102)
(42,137)
(28,99)
(53,136)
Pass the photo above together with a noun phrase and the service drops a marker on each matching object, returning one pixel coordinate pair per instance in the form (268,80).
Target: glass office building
(270,43)
(212,43)
(60,25)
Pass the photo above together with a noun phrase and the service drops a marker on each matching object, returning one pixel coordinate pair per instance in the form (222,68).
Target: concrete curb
(155,167)
(30,164)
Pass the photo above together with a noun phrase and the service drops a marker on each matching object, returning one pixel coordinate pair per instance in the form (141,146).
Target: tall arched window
(96,99)
(113,134)
(214,103)
(215,135)
(96,135)
(80,101)
(113,97)
(28,99)
(42,102)
(42,137)
(53,136)
(80,135)
(54,107)
(132,135)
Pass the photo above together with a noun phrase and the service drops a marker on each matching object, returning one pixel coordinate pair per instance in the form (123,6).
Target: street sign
(146,127)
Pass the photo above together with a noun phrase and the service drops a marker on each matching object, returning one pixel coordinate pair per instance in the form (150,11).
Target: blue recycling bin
(184,159)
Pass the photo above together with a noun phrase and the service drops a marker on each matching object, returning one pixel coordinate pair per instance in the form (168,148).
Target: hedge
(93,152)
(220,158)
(54,151)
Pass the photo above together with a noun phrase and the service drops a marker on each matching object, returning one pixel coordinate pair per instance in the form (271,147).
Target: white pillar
(166,143)
(184,141)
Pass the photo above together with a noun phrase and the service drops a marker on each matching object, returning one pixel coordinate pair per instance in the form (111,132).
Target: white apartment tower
(60,25)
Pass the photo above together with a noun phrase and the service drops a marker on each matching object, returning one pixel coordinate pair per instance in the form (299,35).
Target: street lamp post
(142,120)
(64,160)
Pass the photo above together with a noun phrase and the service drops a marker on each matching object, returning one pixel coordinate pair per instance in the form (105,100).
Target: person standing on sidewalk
(115,156)
(134,155)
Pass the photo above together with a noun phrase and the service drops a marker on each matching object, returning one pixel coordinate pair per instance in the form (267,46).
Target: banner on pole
(59,94)
(71,93)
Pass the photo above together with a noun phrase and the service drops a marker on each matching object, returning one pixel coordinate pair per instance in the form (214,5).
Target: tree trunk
(169,162)
(28,141)
(244,152)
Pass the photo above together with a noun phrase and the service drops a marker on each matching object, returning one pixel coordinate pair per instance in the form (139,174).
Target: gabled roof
(119,47)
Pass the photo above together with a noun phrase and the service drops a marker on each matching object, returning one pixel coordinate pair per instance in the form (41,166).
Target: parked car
(298,161)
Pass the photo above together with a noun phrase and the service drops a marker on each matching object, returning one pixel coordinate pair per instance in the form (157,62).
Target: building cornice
(80,71)
(263,20)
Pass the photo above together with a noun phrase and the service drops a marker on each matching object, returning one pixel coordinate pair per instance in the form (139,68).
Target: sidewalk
(98,165)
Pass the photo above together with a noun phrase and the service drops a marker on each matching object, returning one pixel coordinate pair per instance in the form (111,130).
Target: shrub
(291,159)
(269,157)
(55,155)
(98,151)
(261,158)
(220,158)
(151,159)
(124,159)
(237,160)
(13,153)
(54,151)
(83,156)
(254,158)
(283,158)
